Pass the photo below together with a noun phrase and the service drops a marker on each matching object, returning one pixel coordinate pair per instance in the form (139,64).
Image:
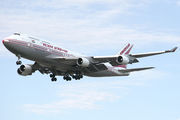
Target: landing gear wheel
(77,76)
(67,78)
(52,75)
(54,79)
(18,62)
(81,76)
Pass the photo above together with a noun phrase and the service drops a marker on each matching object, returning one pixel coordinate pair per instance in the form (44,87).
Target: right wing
(152,53)
(114,60)
(96,63)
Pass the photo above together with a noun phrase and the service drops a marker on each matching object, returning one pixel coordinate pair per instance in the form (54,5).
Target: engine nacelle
(123,60)
(83,62)
(24,70)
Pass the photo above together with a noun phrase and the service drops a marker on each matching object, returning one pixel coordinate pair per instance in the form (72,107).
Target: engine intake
(83,62)
(24,70)
(123,60)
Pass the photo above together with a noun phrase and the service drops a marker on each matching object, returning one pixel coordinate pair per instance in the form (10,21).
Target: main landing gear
(76,76)
(67,76)
(53,78)
(18,62)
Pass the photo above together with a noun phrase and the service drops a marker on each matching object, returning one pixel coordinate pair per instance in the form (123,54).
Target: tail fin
(125,50)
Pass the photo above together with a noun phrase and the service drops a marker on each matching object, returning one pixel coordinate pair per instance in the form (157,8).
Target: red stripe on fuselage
(38,47)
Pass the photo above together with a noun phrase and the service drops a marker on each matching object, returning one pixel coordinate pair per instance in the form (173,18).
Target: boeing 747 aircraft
(55,60)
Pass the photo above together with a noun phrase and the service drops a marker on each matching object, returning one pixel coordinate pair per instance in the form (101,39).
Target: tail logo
(124,49)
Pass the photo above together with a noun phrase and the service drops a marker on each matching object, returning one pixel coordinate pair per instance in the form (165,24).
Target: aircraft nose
(4,41)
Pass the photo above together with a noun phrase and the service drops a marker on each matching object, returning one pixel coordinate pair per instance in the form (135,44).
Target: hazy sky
(94,27)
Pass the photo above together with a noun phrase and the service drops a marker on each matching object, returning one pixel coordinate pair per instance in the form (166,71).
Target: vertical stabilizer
(125,50)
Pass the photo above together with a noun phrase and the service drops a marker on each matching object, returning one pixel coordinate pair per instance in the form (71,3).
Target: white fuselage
(42,51)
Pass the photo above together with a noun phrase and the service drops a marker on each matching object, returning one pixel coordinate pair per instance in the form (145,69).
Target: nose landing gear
(18,62)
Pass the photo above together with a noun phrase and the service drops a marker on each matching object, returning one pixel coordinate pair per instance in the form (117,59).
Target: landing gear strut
(76,76)
(18,62)
(67,77)
(53,78)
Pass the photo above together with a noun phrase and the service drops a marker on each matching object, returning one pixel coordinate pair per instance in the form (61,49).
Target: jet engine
(24,70)
(123,60)
(83,62)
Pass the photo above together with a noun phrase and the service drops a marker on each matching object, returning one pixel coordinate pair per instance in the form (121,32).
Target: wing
(66,60)
(110,59)
(96,63)
(93,66)
(41,68)
(152,53)
(114,60)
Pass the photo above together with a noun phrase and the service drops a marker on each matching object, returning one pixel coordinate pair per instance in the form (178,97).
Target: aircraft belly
(44,57)
(57,66)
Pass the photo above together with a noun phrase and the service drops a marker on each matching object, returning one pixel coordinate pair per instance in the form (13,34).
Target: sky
(94,27)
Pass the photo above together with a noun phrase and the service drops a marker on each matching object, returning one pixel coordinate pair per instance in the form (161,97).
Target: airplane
(55,60)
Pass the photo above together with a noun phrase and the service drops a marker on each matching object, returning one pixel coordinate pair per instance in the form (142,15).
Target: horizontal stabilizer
(135,69)
(172,50)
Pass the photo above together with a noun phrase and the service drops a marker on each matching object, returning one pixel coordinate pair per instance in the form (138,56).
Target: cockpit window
(16,34)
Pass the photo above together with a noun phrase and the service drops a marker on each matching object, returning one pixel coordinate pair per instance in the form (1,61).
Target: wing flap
(110,59)
(94,68)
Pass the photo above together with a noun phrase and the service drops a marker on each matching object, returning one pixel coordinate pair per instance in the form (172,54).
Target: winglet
(172,50)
